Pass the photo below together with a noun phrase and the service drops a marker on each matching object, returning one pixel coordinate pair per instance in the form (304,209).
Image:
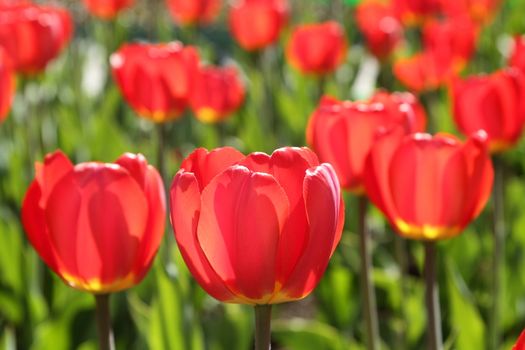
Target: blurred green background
(76,106)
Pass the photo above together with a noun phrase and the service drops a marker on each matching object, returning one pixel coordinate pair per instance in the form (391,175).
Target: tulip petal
(242,217)
(289,166)
(96,216)
(206,165)
(185,201)
(34,221)
(376,179)
(151,183)
(322,199)
(56,166)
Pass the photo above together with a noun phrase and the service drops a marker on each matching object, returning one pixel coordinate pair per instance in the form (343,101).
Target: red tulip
(480,11)
(341,133)
(452,40)
(33,35)
(107,9)
(187,12)
(217,93)
(520,344)
(415,12)
(428,187)
(517,59)
(156,79)
(317,48)
(97,226)
(424,71)
(256,24)
(7,85)
(256,229)
(380,26)
(494,103)
(402,105)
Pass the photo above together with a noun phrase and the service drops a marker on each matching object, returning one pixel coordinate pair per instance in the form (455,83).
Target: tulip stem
(161,136)
(263,317)
(497,257)
(105,333)
(367,287)
(435,338)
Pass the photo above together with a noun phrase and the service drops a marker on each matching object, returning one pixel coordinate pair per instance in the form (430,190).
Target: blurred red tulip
(403,105)
(423,71)
(416,12)
(33,35)
(452,41)
(342,133)
(380,26)
(520,344)
(107,9)
(256,24)
(256,229)
(517,58)
(494,103)
(97,226)
(429,188)
(317,48)
(186,12)
(7,85)
(217,93)
(480,11)
(156,79)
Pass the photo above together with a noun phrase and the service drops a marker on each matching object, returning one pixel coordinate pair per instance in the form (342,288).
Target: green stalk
(497,255)
(367,287)
(161,149)
(105,333)
(435,337)
(263,317)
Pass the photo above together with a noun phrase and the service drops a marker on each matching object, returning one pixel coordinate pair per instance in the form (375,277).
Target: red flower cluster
(342,133)
(160,81)
(256,229)
(447,46)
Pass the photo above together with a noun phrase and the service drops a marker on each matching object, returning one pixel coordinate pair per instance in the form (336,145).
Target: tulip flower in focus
(156,79)
(256,229)
(520,344)
(217,93)
(256,24)
(188,12)
(7,85)
(416,12)
(517,58)
(494,103)
(33,35)
(429,187)
(380,26)
(107,9)
(317,48)
(98,226)
(341,133)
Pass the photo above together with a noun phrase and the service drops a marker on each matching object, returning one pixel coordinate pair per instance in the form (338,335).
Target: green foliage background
(168,310)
